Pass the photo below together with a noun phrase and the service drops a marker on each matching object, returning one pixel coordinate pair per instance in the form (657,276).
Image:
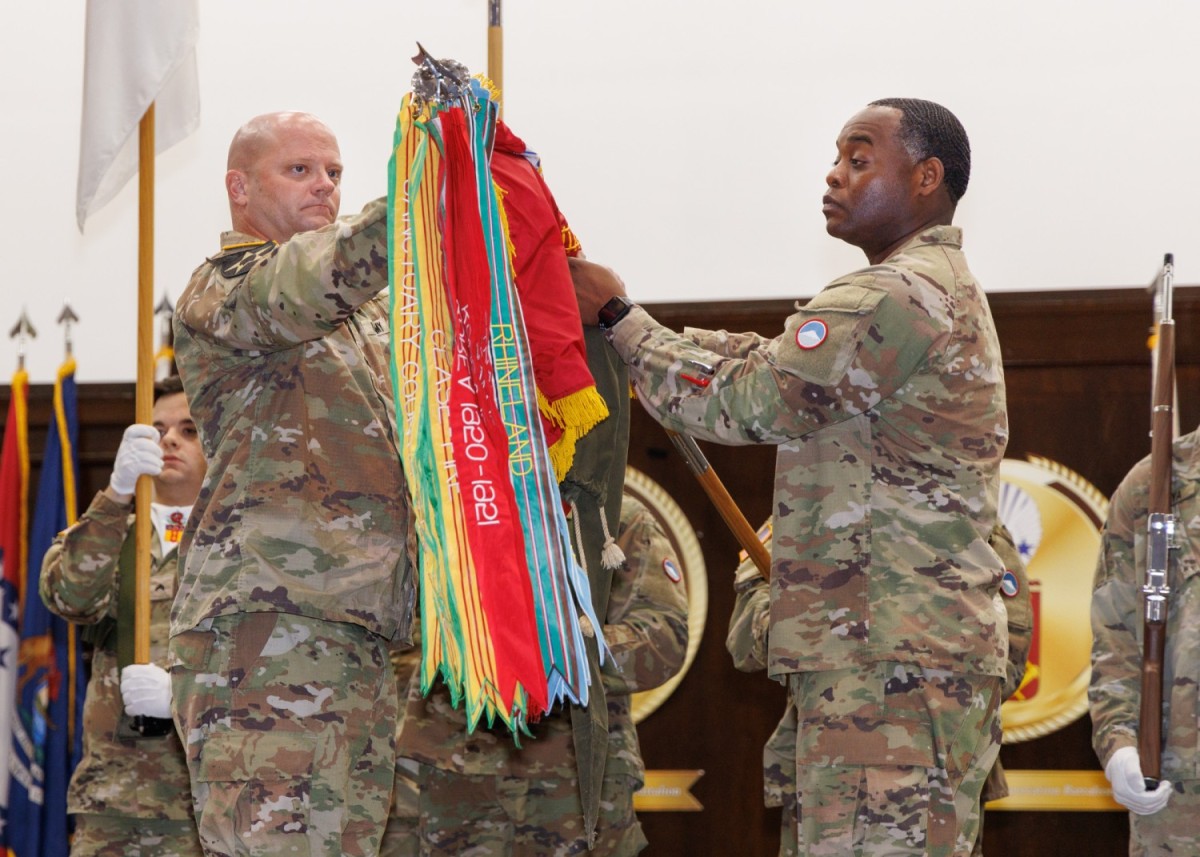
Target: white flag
(138,52)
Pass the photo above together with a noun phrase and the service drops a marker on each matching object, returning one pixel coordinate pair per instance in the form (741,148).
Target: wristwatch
(617,308)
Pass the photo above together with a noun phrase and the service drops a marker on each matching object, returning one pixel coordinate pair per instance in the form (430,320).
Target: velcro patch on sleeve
(821,338)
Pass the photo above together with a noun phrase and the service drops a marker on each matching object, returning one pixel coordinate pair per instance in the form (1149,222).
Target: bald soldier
(884,396)
(295,571)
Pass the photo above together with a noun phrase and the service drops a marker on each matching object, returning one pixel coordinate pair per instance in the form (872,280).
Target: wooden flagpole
(144,395)
(495,66)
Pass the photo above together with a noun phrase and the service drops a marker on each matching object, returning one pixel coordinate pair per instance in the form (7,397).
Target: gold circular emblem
(687,550)
(1055,517)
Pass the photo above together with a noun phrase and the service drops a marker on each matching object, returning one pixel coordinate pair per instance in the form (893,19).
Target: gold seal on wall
(1055,517)
(687,549)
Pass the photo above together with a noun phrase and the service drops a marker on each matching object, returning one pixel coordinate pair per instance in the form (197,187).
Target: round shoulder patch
(811,334)
(1009,585)
(672,571)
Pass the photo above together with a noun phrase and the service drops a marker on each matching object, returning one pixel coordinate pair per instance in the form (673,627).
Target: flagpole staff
(144,394)
(495,42)
(717,493)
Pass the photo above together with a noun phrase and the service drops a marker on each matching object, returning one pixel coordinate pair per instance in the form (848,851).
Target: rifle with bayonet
(1160,536)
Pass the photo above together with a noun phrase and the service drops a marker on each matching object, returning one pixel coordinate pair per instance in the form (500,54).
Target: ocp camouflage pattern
(283,350)
(1117,633)
(646,630)
(885,398)
(123,779)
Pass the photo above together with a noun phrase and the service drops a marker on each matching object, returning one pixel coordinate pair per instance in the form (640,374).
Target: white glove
(146,691)
(138,455)
(1124,771)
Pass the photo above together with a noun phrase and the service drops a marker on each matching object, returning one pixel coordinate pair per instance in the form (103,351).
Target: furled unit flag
(46,731)
(492,391)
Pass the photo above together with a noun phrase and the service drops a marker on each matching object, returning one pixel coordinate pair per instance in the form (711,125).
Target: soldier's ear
(928,175)
(235,186)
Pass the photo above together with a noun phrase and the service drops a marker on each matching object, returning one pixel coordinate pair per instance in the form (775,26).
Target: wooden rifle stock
(1150,727)
(1160,540)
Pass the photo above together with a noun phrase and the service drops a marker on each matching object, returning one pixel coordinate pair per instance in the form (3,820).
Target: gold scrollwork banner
(1077,791)
(668,791)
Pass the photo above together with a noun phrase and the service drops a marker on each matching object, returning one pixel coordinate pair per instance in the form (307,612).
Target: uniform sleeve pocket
(821,339)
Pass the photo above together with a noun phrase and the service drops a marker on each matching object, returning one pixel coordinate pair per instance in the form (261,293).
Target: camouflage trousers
(890,760)
(1173,830)
(289,728)
(443,813)
(121,836)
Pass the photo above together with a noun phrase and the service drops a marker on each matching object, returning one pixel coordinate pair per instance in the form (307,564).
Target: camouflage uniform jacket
(133,778)
(885,398)
(1117,617)
(284,352)
(647,634)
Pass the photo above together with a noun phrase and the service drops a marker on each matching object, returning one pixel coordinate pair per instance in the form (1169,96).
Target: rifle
(1160,535)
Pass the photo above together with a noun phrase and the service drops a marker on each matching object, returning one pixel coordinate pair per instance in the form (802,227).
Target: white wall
(686,140)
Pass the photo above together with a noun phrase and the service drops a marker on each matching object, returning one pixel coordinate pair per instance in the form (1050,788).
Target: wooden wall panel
(1077,369)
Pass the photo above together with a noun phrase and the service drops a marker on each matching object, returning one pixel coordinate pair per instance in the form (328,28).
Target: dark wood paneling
(1077,369)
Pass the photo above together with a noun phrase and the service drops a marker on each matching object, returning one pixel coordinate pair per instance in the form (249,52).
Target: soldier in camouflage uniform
(885,398)
(129,794)
(746,641)
(296,565)
(1163,820)
(480,794)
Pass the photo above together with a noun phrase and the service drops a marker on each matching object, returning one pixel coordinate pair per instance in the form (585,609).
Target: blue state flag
(50,681)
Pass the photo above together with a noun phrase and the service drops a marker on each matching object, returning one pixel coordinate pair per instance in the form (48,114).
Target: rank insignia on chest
(811,334)
(174,530)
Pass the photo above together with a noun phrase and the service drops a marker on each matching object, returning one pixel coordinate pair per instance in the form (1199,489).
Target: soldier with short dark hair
(130,794)
(296,566)
(884,396)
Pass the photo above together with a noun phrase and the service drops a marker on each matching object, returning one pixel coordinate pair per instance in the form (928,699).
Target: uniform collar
(233,240)
(947,235)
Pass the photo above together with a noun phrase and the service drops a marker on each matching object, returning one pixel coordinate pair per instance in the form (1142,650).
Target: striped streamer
(501,591)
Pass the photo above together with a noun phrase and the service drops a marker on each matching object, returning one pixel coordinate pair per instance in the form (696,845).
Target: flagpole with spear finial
(22,331)
(67,318)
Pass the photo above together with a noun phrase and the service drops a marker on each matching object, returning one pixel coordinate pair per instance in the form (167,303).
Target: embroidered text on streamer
(501,592)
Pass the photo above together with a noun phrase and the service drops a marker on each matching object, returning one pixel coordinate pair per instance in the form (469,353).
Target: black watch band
(617,308)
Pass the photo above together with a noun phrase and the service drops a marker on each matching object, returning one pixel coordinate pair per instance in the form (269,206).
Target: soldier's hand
(1124,772)
(594,286)
(138,455)
(146,691)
